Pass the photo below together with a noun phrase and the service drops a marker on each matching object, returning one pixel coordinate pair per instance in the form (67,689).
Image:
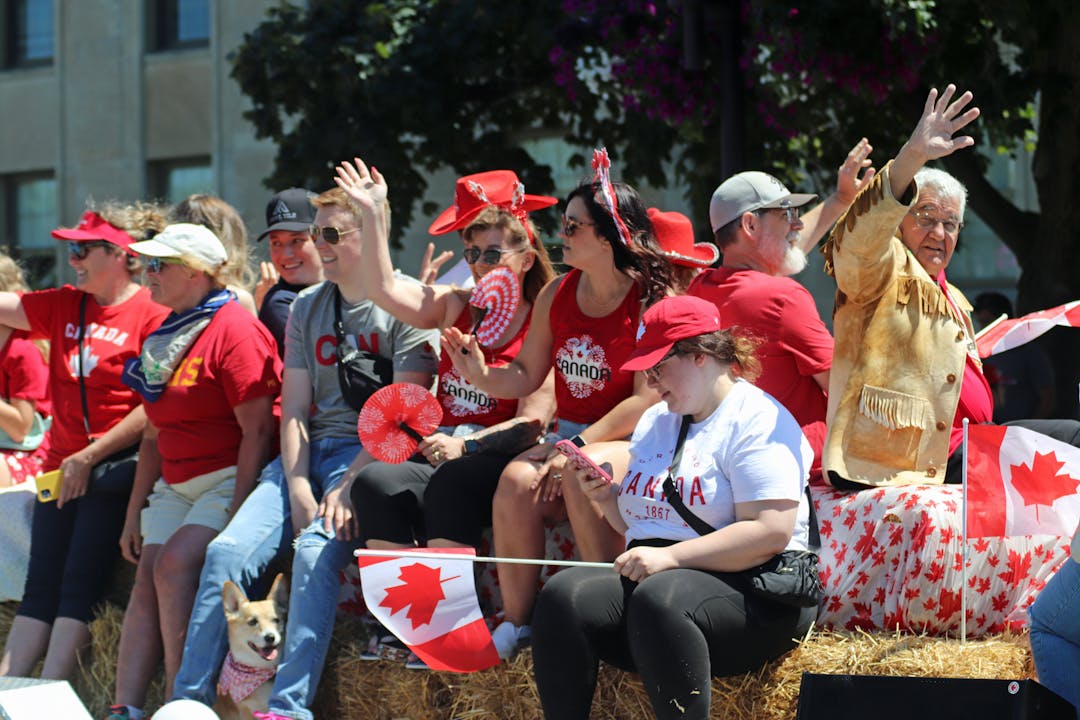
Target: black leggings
(72,555)
(414,501)
(678,629)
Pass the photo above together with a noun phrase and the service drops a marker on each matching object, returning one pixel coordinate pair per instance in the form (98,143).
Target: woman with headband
(583,326)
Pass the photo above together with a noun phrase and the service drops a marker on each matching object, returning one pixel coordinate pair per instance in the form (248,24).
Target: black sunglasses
(570,226)
(79,250)
(491,256)
(331,235)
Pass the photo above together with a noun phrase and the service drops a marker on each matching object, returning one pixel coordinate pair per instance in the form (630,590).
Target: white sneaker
(509,639)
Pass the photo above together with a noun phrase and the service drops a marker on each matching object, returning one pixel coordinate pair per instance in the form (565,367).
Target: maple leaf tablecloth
(891,557)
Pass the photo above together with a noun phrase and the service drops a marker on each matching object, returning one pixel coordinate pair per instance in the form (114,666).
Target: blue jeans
(1055,633)
(261,529)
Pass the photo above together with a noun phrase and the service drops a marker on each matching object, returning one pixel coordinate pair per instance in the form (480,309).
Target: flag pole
(964,538)
(363,552)
(1000,318)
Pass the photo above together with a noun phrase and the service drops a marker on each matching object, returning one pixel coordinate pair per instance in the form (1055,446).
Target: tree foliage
(681,92)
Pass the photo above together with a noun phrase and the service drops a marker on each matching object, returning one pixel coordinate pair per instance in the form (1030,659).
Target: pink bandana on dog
(240,680)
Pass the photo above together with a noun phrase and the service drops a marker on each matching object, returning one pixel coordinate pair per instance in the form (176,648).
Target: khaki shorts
(202,500)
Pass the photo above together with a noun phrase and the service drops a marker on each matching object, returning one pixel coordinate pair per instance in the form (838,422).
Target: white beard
(786,257)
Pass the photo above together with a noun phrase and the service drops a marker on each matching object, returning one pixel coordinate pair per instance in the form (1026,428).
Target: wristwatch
(471,446)
(578,441)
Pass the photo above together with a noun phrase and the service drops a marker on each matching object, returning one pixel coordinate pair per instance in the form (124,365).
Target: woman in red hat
(583,328)
(444,498)
(92,329)
(699,514)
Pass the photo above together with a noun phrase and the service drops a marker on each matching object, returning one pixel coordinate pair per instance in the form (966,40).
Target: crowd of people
(205,430)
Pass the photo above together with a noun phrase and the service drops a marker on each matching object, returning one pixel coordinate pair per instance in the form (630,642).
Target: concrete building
(120,99)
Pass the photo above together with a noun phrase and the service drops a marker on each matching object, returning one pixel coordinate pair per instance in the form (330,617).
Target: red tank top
(587,353)
(463,402)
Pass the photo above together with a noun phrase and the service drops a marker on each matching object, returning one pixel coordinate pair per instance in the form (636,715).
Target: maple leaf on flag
(421,589)
(1040,484)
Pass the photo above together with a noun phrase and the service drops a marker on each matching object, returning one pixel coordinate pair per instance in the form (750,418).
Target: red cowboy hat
(473,193)
(675,234)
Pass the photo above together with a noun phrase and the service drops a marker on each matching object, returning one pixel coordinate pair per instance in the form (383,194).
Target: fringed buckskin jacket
(900,350)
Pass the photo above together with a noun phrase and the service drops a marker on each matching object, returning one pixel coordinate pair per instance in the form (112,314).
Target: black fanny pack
(790,577)
(360,373)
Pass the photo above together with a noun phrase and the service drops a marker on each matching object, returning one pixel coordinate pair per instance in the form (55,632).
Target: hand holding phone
(48,485)
(581,461)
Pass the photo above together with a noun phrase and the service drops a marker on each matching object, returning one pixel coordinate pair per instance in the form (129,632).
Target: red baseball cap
(666,323)
(675,233)
(473,193)
(94,227)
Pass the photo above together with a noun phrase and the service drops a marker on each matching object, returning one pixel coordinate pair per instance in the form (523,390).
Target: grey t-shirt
(310,345)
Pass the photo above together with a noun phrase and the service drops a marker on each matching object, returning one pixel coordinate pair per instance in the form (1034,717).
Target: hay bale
(351,687)
(383,691)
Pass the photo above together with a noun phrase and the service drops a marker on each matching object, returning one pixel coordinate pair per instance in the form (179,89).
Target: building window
(176,24)
(30,213)
(174,180)
(27,32)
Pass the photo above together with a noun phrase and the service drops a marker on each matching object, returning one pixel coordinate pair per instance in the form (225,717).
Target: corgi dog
(256,634)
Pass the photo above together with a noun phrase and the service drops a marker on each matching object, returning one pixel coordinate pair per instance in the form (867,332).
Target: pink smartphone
(580,459)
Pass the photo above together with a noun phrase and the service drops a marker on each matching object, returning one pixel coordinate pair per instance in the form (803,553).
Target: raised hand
(367,188)
(429,266)
(932,137)
(942,117)
(848,182)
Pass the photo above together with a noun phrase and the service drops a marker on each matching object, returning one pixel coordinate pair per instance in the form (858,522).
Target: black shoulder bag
(360,373)
(789,577)
(114,475)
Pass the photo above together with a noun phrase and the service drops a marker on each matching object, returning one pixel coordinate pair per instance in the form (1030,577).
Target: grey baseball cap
(749,191)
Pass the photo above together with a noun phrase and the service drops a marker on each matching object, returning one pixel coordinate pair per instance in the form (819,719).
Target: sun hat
(289,210)
(94,227)
(185,239)
(675,233)
(667,322)
(749,191)
(473,193)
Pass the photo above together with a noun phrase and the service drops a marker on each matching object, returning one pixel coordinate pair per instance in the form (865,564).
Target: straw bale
(352,688)
(382,691)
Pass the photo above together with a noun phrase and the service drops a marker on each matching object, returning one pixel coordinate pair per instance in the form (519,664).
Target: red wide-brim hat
(473,193)
(675,234)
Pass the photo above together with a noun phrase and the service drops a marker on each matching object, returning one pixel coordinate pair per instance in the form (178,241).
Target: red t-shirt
(588,352)
(233,360)
(463,402)
(24,375)
(795,344)
(113,334)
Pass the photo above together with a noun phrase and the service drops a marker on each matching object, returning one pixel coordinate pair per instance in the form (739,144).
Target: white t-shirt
(749,449)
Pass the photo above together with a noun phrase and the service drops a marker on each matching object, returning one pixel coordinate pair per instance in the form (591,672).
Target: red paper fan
(497,294)
(395,419)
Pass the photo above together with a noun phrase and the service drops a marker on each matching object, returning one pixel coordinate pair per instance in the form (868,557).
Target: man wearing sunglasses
(907,371)
(294,262)
(304,494)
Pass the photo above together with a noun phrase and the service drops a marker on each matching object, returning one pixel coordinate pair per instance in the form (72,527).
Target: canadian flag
(430,604)
(1020,482)
(1007,334)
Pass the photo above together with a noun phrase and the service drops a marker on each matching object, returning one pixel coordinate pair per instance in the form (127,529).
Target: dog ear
(279,593)
(232,597)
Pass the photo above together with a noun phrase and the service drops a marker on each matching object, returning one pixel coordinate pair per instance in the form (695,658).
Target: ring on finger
(437,455)
(556,476)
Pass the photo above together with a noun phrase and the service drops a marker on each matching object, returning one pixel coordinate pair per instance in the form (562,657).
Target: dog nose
(270,638)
